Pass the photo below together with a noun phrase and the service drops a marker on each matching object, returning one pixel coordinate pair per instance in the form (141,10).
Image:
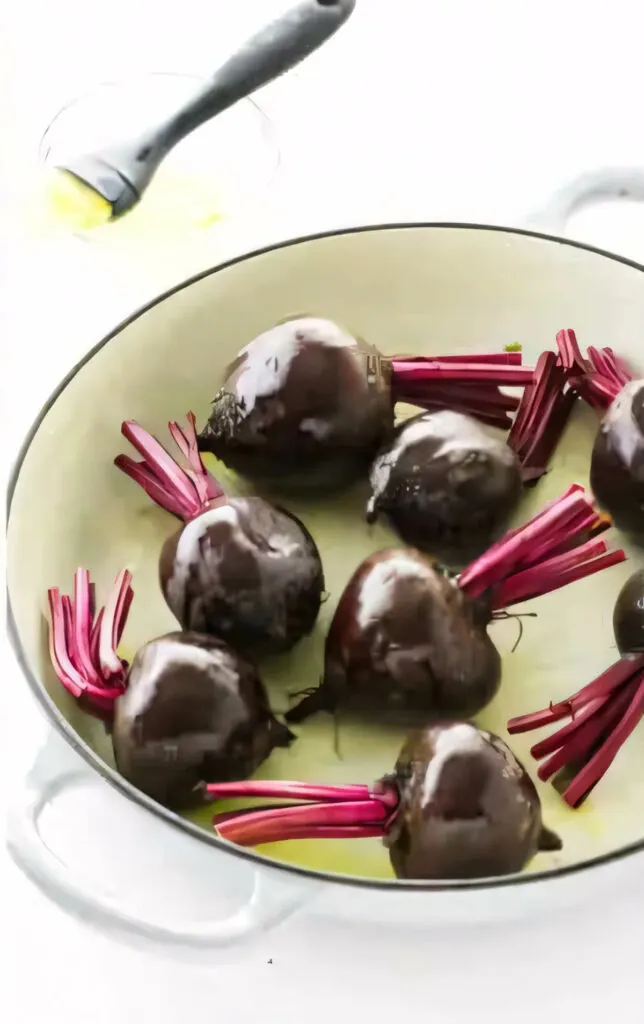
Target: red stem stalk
(332,812)
(599,377)
(603,715)
(272,826)
(544,410)
(546,553)
(463,383)
(183,492)
(290,790)
(82,646)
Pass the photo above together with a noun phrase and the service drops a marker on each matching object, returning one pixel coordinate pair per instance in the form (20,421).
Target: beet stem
(109,661)
(599,764)
(557,572)
(273,825)
(183,492)
(82,626)
(404,370)
(570,356)
(604,714)
(81,655)
(582,738)
(289,790)
(602,686)
(543,413)
(505,358)
(553,545)
(145,478)
(466,384)
(58,650)
(308,832)
(599,377)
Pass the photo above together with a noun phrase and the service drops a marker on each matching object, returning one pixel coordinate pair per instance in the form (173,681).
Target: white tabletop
(443,111)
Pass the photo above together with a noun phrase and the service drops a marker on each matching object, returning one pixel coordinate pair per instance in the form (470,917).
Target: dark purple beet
(405,642)
(446,485)
(628,615)
(467,807)
(409,640)
(194,711)
(305,405)
(245,571)
(238,568)
(458,805)
(617,462)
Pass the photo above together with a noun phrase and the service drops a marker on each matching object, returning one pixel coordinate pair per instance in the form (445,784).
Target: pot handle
(588,188)
(271,902)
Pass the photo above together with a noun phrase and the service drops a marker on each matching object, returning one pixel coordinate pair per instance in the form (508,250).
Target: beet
(628,615)
(458,805)
(307,406)
(606,383)
(467,808)
(189,711)
(449,487)
(602,714)
(445,485)
(617,461)
(194,711)
(405,641)
(409,641)
(239,568)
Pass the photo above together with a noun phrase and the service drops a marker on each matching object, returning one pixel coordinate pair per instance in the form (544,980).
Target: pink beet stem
(83,615)
(564,520)
(158,460)
(542,415)
(183,492)
(606,683)
(610,366)
(288,791)
(570,357)
(603,714)
(95,636)
(271,825)
(600,688)
(67,608)
(537,719)
(76,682)
(467,384)
(599,378)
(579,735)
(499,358)
(505,375)
(556,573)
(58,652)
(484,403)
(160,494)
(111,623)
(482,396)
(594,393)
(292,831)
(538,453)
(592,772)
(207,487)
(582,739)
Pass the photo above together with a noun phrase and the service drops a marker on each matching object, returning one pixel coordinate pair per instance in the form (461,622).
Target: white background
(427,110)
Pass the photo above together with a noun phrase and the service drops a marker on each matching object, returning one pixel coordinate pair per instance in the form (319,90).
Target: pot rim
(126,788)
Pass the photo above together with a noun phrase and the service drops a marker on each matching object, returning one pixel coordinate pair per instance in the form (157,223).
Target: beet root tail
(310,705)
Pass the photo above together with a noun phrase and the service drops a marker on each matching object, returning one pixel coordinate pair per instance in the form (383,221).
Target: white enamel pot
(405,287)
